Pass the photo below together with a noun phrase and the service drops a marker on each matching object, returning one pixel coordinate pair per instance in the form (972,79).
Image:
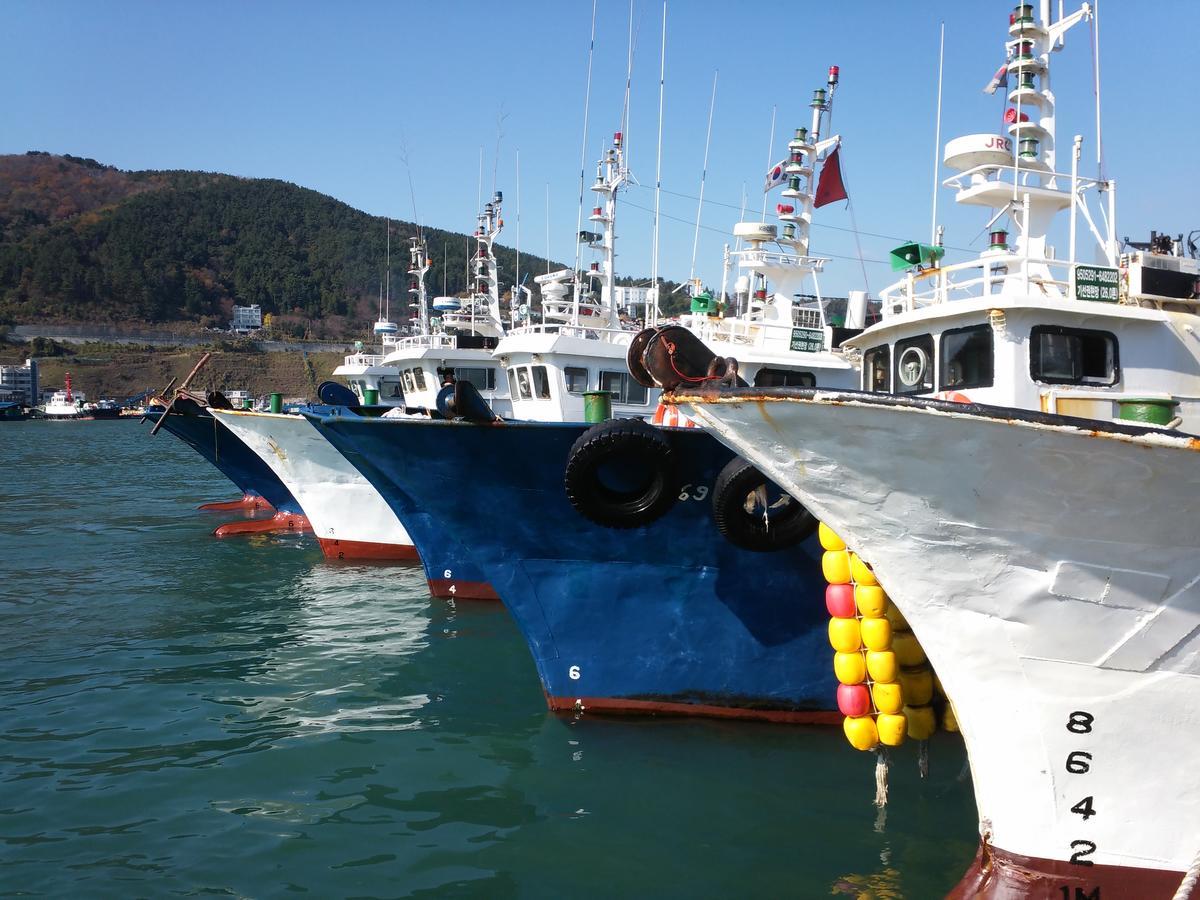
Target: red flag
(830,187)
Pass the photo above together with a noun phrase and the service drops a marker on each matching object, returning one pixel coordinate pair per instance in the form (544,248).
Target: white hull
(346,513)
(1052,575)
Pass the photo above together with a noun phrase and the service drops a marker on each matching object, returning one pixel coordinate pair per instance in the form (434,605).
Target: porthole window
(877,370)
(1059,355)
(966,358)
(914,365)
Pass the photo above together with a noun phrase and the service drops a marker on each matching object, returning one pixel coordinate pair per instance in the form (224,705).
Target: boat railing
(759,257)
(364,360)
(435,341)
(1018,177)
(585,332)
(976,278)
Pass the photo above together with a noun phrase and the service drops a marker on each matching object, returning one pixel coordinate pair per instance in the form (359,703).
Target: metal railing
(611,335)
(984,278)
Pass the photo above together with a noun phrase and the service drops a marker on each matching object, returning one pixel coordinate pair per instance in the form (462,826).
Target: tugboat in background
(65,404)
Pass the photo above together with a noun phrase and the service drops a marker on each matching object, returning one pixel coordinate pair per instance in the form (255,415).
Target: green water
(181,715)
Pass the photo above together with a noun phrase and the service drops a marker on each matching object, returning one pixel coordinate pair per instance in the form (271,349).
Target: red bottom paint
(247,501)
(623,706)
(335,548)
(997,874)
(276,523)
(462,590)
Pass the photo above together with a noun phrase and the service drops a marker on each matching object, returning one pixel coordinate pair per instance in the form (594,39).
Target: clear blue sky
(334,96)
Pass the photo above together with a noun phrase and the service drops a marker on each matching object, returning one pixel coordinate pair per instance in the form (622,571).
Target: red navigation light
(617,139)
(785,209)
(833,74)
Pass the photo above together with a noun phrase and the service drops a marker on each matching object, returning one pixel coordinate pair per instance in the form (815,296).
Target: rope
(923,759)
(1190,877)
(881,778)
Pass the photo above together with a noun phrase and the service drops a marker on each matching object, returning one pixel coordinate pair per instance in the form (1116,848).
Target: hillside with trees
(84,242)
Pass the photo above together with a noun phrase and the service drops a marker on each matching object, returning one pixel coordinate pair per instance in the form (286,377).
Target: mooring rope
(1190,877)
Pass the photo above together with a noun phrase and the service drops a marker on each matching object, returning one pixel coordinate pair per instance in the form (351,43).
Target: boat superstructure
(581,343)
(1015,474)
(1024,325)
(462,334)
(781,332)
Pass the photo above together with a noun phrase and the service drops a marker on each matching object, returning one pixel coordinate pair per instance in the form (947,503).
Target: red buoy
(839,600)
(853,700)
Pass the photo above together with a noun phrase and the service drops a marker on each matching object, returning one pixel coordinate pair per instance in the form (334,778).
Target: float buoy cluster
(886,687)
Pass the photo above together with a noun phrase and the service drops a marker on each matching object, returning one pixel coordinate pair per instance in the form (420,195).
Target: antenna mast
(703,176)
(662,78)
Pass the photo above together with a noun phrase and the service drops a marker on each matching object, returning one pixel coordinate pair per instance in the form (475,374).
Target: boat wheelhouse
(1107,337)
(587,324)
(459,340)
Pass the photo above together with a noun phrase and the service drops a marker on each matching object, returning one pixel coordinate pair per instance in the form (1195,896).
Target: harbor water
(185,715)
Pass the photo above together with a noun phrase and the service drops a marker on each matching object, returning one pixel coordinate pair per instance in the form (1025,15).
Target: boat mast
(418,254)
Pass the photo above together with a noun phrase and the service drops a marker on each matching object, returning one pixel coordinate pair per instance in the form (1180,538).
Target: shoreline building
(19,384)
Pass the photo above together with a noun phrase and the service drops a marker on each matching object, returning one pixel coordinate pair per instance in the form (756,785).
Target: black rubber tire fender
(790,525)
(638,444)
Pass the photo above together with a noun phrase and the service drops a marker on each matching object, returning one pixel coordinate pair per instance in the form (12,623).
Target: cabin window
(1060,355)
(623,388)
(966,357)
(524,391)
(877,369)
(914,365)
(483,378)
(409,386)
(769,378)
(419,375)
(576,378)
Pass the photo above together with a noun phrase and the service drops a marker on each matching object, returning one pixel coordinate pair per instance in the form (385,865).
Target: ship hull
(667,617)
(196,427)
(348,517)
(1049,568)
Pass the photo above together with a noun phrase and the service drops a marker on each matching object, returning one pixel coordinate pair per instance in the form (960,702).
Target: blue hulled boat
(193,424)
(662,613)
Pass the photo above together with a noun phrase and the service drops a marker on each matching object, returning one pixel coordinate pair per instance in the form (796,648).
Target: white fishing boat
(65,404)
(1015,474)
(348,516)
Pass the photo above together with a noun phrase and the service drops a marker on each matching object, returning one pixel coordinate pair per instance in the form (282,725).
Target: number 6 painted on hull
(573,672)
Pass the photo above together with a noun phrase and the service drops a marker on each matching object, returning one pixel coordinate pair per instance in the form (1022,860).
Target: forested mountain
(80,241)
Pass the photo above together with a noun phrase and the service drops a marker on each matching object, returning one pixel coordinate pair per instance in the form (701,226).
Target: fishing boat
(11,411)
(65,404)
(103,409)
(187,416)
(1016,471)
(644,564)
(348,516)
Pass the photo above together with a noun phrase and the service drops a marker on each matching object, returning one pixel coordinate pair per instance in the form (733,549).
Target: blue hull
(197,428)
(451,569)
(665,617)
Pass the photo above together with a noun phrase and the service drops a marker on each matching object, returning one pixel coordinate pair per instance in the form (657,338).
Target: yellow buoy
(860,571)
(861,732)
(835,566)
(888,698)
(850,668)
(882,665)
(949,719)
(844,635)
(921,722)
(891,728)
(899,623)
(829,540)
(908,648)
(877,634)
(917,684)
(872,602)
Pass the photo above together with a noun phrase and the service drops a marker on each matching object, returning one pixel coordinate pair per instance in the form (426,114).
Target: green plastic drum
(371,396)
(597,406)
(1150,410)
(276,402)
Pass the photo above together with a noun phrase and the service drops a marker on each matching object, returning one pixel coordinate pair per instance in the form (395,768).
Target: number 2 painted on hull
(1079,762)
